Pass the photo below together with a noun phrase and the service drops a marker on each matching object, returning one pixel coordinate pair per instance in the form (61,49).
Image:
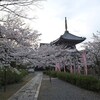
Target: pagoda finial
(65,24)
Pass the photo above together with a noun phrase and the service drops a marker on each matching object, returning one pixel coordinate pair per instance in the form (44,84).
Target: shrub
(0,83)
(47,72)
(13,64)
(11,76)
(86,82)
(53,73)
(23,73)
(61,76)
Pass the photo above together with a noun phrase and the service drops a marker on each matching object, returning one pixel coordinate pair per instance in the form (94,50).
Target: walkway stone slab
(29,91)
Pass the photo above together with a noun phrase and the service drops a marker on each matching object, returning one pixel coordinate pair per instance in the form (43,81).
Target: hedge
(86,82)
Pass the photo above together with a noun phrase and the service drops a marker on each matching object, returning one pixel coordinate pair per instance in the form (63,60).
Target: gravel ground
(59,90)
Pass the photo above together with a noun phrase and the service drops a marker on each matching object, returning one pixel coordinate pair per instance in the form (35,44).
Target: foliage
(17,41)
(23,72)
(11,76)
(52,73)
(13,64)
(49,55)
(18,66)
(86,82)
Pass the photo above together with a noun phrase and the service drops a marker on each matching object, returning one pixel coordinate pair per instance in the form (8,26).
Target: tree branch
(18,14)
(23,3)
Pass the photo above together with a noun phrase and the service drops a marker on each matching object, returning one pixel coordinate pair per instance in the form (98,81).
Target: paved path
(30,90)
(59,90)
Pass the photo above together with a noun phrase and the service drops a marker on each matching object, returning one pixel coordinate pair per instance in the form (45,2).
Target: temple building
(68,40)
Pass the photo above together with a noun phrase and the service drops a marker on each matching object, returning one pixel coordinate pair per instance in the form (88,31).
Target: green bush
(13,64)
(53,73)
(47,72)
(86,82)
(11,76)
(0,83)
(23,73)
(61,76)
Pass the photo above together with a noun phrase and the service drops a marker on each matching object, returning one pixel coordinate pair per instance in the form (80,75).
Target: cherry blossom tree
(16,40)
(93,53)
(49,55)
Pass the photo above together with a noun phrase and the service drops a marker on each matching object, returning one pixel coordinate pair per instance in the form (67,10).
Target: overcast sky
(83,17)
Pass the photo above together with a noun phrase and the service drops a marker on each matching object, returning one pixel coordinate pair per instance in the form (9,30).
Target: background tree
(93,52)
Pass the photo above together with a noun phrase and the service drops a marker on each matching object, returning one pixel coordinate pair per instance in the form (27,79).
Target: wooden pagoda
(68,40)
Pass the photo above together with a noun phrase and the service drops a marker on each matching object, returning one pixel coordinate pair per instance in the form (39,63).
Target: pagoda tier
(68,40)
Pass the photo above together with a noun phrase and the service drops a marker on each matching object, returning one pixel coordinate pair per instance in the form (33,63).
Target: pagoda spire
(65,24)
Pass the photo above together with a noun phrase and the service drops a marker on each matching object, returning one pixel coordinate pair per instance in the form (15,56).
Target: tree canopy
(16,39)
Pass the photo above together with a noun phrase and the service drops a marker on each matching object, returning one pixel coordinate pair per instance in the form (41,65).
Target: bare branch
(21,3)
(6,6)
(9,10)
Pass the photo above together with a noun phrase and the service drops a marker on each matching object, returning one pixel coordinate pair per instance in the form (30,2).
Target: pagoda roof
(68,37)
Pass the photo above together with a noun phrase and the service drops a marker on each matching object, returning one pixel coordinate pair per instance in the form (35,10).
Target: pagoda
(68,40)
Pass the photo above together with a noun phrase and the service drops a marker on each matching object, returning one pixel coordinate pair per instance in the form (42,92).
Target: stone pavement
(60,90)
(29,91)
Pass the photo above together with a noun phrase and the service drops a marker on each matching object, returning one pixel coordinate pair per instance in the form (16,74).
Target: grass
(13,88)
